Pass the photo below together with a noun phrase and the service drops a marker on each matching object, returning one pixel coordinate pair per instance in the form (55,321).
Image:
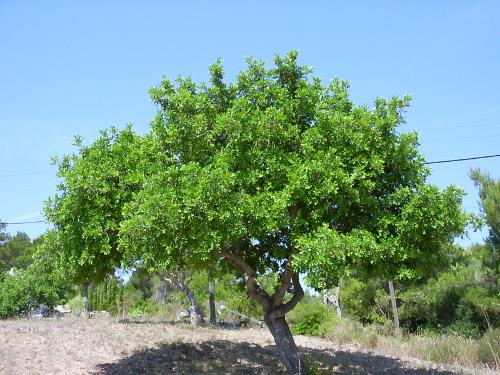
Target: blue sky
(70,68)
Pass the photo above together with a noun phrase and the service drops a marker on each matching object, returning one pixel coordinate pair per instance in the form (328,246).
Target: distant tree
(16,251)
(489,195)
(41,283)
(3,234)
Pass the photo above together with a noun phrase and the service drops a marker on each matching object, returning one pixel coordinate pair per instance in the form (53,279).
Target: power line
(460,138)
(463,159)
(24,222)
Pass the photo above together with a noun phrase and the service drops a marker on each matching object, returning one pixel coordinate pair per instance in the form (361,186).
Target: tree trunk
(274,308)
(85,292)
(211,302)
(286,345)
(394,309)
(194,310)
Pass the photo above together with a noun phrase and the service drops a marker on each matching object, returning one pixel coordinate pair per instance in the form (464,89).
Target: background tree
(16,251)
(87,210)
(278,172)
(41,283)
(3,234)
(489,195)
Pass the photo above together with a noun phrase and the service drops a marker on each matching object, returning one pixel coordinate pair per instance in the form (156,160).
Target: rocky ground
(105,346)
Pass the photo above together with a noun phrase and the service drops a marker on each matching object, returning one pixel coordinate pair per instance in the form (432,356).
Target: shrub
(365,300)
(39,284)
(312,319)
(452,302)
(76,305)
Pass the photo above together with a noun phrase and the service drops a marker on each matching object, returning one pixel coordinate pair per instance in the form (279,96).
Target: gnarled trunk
(285,344)
(274,308)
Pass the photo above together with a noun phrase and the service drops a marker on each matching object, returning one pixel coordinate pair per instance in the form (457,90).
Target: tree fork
(275,310)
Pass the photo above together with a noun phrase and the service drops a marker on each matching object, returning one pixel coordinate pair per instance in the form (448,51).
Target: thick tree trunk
(85,297)
(211,302)
(285,344)
(274,308)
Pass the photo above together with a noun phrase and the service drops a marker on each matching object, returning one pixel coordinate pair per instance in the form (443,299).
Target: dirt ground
(104,346)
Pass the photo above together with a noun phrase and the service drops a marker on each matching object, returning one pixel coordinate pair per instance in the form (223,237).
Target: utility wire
(463,159)
(25,222)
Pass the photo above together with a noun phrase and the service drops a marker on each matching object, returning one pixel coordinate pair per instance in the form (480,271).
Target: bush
(488,349)
(76,305)
(452,302)
(365,301)
(312,319)
(39,284)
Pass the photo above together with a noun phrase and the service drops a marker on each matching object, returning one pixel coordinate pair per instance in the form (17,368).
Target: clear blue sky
(70,68)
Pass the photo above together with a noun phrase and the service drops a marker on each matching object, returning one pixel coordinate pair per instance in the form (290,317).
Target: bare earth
(104,346)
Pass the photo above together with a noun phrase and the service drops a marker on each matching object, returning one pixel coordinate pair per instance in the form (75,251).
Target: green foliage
(314,319)
(241,157)
(39,284)
(489,193)
(76,305)
(144,308)
(273,172)
(364,300)
(454,301)
(16,251)
(105,296)
(87,210)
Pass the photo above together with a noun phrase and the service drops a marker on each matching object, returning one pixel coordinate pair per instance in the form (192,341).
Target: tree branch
(298,293)
(285,282)
(254,289)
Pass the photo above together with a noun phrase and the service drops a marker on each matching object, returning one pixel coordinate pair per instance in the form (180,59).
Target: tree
(3,234)
(87,211)
(278,172)
(16,251)
(41,283)
(489,194)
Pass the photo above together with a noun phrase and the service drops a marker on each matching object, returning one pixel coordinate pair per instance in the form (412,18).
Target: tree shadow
(226,357)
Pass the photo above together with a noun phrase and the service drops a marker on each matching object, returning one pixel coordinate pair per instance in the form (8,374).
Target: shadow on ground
(225,357)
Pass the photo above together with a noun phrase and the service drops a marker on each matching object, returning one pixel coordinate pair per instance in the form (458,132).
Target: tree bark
(285,344)
(274,308)
(85,298)
(211,302)
(194,310)
(394,309)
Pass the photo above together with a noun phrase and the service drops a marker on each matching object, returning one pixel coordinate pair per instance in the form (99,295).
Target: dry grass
(444,349)
(104,346)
